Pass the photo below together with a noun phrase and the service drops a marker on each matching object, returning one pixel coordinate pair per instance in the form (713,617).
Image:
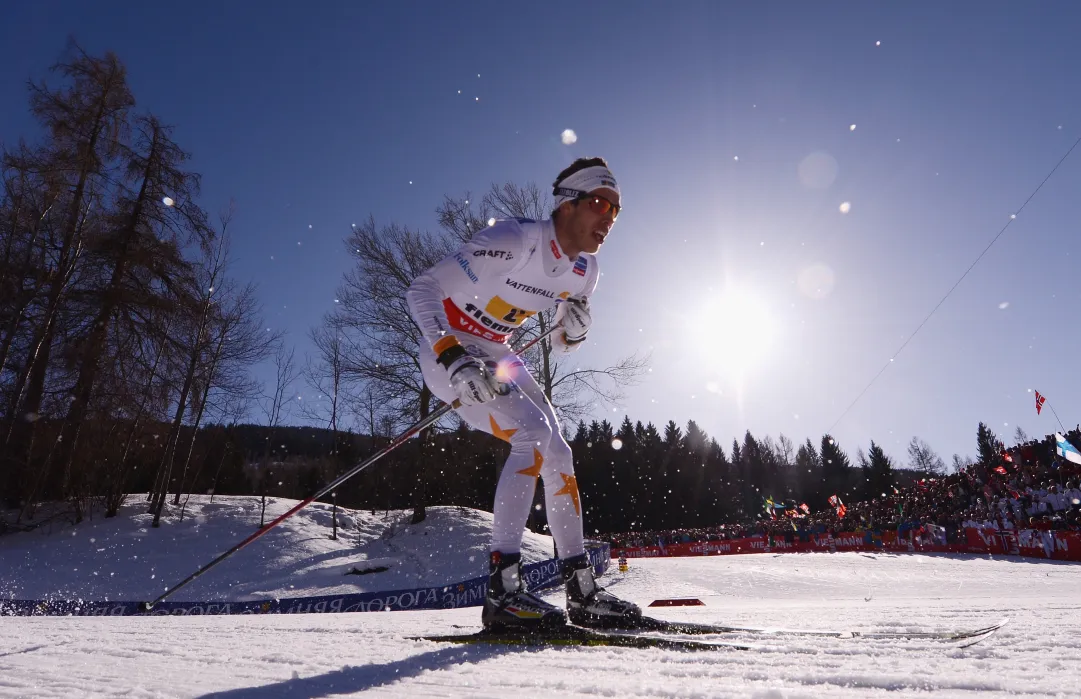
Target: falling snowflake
(617,443)
(852,127)
(1004,305)
(845,207)
(168,201)
(568,136)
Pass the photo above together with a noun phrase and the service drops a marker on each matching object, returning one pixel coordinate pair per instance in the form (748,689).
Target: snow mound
(124,558)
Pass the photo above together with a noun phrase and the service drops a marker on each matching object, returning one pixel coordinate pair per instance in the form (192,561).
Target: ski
(638,636)
(691,628)
(571,635)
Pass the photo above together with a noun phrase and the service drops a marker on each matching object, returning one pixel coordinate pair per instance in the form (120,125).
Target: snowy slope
(321,655)
(123,558)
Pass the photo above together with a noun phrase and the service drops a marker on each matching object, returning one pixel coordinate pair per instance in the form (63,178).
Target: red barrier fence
(1059,546)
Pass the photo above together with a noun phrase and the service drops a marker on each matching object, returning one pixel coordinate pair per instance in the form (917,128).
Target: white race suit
(476,297)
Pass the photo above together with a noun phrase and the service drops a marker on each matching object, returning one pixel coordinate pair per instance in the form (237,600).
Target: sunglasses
(600,205)
(597,204)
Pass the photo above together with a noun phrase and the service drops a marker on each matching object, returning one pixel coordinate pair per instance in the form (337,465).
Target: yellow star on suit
(538,460)
(570,487)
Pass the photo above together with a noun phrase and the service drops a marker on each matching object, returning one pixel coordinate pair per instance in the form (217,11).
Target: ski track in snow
(322,655)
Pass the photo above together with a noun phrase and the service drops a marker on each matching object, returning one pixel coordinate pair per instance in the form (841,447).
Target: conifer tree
(881,471)
(835,467)
(988,446)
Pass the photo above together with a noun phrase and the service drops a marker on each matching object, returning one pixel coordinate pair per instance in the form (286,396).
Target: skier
(467,306)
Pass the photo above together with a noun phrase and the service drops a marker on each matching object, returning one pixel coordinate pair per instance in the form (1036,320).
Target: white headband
(583,182)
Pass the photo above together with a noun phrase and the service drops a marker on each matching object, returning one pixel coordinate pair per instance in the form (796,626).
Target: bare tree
(193,344)
(234,341)
(325,376)
(1020,436)
(276,407)
(278,404)
(960,463)
(786,450)
(923,458)
(373,316)
(117,478)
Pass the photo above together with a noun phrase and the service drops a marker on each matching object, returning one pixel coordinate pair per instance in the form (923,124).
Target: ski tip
(983,635)
(969,642)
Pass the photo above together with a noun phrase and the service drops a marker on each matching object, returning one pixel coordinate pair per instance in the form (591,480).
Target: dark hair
(579,164)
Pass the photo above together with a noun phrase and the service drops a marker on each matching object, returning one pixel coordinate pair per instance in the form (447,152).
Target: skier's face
(592,219)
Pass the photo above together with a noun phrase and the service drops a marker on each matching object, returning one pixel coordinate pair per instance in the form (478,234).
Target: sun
(734,331)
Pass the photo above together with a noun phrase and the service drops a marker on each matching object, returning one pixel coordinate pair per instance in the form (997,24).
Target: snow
(123,558)
(318,655)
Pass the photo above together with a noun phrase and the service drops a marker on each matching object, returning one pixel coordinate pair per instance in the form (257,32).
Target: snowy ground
(1037,654)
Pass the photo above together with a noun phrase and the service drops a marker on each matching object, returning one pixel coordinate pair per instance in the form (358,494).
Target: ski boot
(508,607)
(588,604)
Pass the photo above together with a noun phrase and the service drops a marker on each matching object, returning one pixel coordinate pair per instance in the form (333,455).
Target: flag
(1039,402)
(999,469)
(838,505)
(1066,450)
(806,510)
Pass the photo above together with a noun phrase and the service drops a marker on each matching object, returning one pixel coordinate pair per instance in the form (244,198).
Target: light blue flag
(1066,450)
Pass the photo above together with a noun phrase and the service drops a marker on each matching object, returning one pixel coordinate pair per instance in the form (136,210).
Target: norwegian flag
(1000,469)
(1039,402)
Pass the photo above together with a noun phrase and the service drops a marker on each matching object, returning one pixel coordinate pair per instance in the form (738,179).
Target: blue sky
(729,127)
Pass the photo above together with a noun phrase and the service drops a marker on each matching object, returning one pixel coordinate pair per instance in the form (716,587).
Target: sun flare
(735,331)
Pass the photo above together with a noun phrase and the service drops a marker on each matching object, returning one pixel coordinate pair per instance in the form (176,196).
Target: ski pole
(398,441)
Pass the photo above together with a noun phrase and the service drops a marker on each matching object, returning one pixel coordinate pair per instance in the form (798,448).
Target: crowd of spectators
(1027,487)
